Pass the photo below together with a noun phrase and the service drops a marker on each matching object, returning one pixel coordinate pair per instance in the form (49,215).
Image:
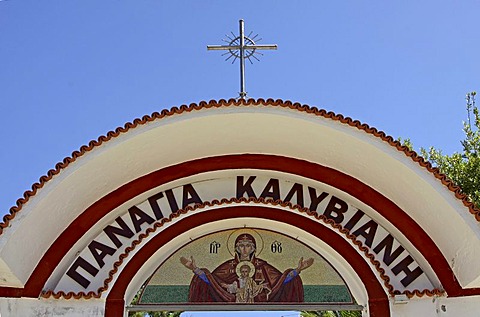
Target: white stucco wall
(421,307)
(33,307)
(438,307)
(238,130)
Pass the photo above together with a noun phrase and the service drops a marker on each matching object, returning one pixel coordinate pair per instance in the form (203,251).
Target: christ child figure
(245,288)
(225,284)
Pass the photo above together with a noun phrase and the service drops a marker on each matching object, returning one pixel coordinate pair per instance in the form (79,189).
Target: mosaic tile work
(245,265)
(155,294)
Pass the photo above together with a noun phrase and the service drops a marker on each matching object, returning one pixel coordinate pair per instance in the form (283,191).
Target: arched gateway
(242,205)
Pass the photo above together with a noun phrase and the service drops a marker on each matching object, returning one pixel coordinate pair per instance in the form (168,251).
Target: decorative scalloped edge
(425,292)
(224,201)
(233,102)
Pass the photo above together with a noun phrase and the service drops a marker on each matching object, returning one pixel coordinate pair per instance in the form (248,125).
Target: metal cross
(242,47)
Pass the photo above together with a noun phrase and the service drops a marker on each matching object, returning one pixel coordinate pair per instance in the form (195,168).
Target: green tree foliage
(463,168)
(329,313)
(154,314)
(150,313)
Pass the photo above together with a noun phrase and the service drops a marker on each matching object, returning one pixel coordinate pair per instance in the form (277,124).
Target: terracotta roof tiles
(236,103)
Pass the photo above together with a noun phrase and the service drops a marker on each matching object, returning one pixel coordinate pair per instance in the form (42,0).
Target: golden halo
(253,232)
(247,263)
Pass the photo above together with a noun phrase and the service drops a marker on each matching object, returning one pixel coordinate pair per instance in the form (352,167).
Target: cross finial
(242,47)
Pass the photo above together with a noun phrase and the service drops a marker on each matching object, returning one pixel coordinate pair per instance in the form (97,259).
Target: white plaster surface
(218,185)
(238,130)
(33,307)
(343,268)
(424,307)
(438,307)
(7,278)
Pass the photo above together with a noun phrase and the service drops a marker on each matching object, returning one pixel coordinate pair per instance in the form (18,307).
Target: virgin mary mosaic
(245,266)
(230,281)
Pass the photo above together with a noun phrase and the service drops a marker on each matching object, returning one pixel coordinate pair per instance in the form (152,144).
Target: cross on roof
(242,47)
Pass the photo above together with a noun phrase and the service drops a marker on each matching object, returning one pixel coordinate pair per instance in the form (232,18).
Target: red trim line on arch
(236,103)
(377,297)
(337,179)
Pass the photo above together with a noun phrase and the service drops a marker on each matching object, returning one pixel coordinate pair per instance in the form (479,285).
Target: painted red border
(223,203)
(337,179)
(378,299)
(236,103)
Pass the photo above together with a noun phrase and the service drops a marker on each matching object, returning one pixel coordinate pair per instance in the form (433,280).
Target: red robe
(213,292)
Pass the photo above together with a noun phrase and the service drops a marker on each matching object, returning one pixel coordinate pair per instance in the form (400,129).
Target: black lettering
(214,246)
(411,275)
(354,220)
(139,217)
(171,200)
(314,199)
(276,247)
(368,231)
(153,201)
(190,196)
(100,251)
(123,231)
(79,278)
(337,206)
(272,189)
(387,244)
(243,188)
(297,190)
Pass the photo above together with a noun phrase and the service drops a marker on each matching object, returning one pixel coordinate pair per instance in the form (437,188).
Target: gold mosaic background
(172,272)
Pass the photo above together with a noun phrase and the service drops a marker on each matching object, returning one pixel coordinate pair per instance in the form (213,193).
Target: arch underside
(163,259)
(401,193)
(116,294)
(361,279)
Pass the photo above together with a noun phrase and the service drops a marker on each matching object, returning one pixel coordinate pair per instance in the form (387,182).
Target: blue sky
(242,314)
(71,71)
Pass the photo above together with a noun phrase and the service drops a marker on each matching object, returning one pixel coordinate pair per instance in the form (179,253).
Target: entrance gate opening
(302,209)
